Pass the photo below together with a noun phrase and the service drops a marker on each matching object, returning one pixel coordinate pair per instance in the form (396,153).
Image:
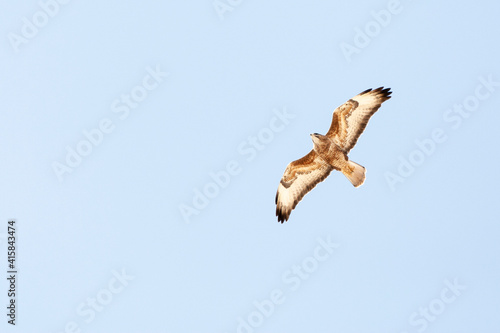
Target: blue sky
(143,144)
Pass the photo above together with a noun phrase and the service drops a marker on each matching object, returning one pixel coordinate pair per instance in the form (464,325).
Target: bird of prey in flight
(330,151)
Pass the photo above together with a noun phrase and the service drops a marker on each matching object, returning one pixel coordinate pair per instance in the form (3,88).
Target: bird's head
(320,141)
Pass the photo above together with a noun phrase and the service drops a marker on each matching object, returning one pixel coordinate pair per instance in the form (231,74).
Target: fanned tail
(355,173)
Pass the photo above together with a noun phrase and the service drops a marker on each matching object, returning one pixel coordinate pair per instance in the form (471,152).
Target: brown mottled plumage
(330,151)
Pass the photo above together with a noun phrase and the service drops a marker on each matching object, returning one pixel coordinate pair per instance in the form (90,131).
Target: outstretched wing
(350,119)
(300,177)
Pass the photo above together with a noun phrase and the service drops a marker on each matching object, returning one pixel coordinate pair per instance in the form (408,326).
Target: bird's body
(325,148)
(330,152)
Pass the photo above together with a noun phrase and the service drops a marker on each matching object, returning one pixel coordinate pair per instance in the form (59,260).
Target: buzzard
(330,151)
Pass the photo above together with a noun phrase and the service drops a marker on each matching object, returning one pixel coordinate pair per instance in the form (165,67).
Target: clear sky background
(113,234)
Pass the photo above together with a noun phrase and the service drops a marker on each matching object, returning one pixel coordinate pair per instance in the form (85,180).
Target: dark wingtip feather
(384,91)
(280,218)
(385,94)
(282,215)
